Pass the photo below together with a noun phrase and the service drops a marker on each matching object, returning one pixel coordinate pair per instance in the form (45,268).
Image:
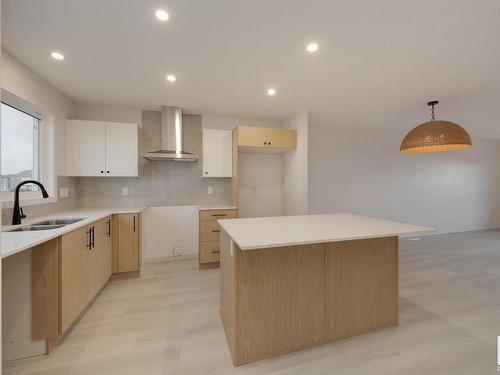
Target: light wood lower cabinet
(75,259)
(103,242)
(45,290)
(85,267)
(209,234)
(126,243)
(67,273)
(209,251)
(209,230)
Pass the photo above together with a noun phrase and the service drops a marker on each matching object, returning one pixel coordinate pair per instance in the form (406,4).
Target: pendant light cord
(432,104)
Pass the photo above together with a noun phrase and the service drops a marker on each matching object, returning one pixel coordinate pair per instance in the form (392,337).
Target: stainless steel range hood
(171,138)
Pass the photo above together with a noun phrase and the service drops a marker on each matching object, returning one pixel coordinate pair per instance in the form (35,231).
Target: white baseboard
(170,258)
(452,231)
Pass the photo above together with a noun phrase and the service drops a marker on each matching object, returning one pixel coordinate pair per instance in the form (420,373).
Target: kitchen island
(292,282)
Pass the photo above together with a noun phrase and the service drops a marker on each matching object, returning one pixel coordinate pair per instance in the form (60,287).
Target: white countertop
(216,207)
(267,232)
(14,242)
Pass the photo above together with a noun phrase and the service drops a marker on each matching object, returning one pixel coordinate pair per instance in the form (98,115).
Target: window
(27,141)
(20,135)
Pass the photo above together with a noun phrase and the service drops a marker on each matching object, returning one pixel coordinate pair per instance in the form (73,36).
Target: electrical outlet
(210,190)
(124,191)
(177,251)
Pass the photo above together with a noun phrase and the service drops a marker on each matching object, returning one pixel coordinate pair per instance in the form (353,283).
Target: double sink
(46,225)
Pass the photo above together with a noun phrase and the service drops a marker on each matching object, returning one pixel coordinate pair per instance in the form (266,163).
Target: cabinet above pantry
(104,149)
(262,140)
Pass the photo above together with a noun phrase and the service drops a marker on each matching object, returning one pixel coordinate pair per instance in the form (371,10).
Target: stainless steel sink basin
(46,225)
(57,222)
(30,228)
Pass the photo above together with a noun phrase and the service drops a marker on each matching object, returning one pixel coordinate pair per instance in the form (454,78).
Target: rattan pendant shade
(435,136)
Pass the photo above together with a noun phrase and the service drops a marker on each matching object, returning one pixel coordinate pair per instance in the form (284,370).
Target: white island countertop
(14,242)
(268,232)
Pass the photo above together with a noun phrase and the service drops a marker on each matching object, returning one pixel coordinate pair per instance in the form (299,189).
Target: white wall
(362,171)
(295,169)
(259,191)
(229,123)
(96,112)
(167,227)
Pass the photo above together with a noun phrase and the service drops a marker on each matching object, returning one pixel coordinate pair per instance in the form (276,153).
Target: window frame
(46,161)
(36,142)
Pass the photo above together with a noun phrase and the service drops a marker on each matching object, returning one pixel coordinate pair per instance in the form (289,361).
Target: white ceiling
(379,62)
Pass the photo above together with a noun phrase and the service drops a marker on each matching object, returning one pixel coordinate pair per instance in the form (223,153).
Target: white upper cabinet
(86,148)
(217,153)
(98,148)
(121,149)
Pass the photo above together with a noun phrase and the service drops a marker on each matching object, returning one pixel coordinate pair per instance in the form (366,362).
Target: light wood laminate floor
(167,322)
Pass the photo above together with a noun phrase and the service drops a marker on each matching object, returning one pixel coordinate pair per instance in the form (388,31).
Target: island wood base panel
(279,300)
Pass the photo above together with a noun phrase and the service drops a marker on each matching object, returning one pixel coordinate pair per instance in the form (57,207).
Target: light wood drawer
(209,251)
(218,214)
(209,230)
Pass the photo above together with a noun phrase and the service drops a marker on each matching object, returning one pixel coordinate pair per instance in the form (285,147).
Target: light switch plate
(124,191)
(210,190)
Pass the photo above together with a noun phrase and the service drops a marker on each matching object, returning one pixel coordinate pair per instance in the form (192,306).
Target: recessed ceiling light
(57,55)
(162,15)
(171,78)
(312,47)
(271,92)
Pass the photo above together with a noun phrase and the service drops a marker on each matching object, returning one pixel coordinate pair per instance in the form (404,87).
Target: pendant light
(435,136)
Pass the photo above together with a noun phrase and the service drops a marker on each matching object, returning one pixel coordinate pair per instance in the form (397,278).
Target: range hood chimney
(171,138)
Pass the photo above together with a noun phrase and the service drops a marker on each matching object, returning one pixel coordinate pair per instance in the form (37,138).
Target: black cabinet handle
(92,233)
(107,172)
(134,223)
(109,228)
(102,171)
(218,214)
(269,143)
(216,230)
(89,239)
(206,172)
(215,251)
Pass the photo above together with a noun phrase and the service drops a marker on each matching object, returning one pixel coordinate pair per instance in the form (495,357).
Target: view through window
(19,148)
